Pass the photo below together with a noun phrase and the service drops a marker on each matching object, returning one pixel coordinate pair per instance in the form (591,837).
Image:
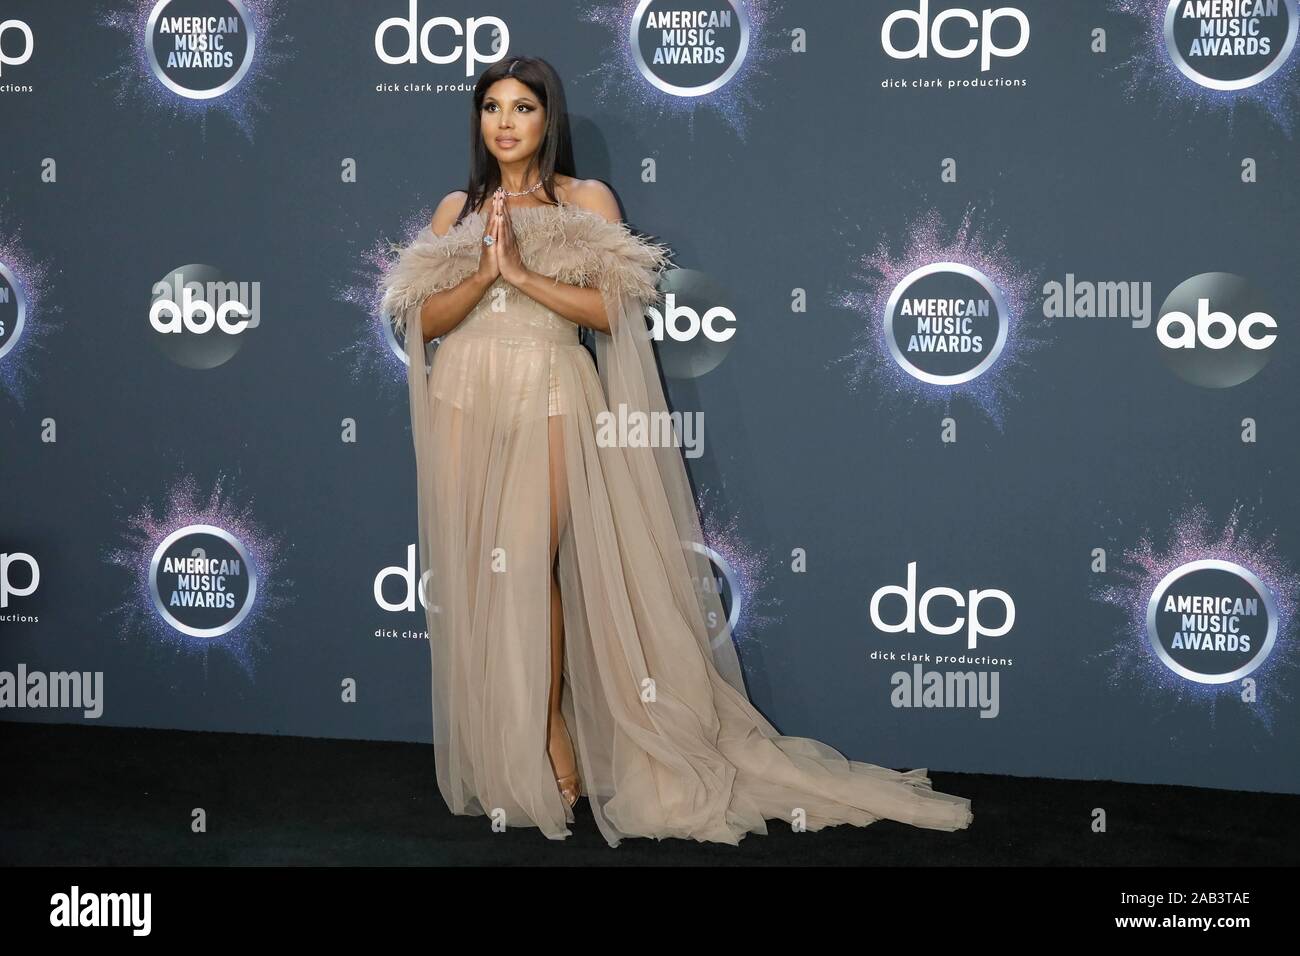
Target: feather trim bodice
(566,242)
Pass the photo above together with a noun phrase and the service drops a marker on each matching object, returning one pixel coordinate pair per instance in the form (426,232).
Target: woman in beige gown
(505,420)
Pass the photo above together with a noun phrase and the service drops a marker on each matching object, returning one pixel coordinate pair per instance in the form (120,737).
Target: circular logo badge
(202,581)
(1216,330)
(397,344)
(1211,621)
(1230,44)
(946,323)
(13,309)
(693,329)
(200,49)
(689,47)
(197,318)
(720,581)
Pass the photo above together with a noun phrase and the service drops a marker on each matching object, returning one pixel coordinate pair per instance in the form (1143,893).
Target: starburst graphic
(619,83)
(1143,566)
(749,572)
(376,354)
(878,273)
(143,534)
(32,277)
(135,79)
(1152,76)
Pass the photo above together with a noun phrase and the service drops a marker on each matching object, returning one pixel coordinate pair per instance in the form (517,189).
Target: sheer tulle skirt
(666,747)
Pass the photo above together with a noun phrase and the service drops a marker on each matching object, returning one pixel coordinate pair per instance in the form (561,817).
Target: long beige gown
(667,742)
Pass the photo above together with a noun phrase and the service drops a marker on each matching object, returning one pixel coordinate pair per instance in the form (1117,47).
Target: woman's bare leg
(559,743)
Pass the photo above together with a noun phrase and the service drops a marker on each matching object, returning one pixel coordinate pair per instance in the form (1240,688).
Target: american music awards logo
(204,573)
(200,48)
(726,564)
(946,323)
(677,56)
(24,317)
(689,48)
(1217,54)
(944,317)
(13,310)
(1212,621)
(1208,614)
(1230,44)
(192,56)
(378,350)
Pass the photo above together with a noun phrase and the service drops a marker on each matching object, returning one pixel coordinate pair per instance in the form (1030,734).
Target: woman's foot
(564,762)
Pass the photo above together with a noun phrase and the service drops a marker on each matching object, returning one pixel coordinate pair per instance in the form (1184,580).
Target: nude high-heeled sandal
(570,784)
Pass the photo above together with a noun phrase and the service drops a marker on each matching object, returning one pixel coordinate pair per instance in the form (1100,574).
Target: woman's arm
(443,311)
(584,306)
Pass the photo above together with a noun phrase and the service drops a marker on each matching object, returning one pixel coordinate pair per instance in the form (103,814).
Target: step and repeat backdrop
(982,318)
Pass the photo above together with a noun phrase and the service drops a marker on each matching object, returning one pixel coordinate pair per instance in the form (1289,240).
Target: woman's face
(512,121)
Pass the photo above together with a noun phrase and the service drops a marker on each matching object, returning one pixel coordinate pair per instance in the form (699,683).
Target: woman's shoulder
(444,217)
(593,196)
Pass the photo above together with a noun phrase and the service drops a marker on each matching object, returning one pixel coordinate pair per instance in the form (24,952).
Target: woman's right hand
(489,264)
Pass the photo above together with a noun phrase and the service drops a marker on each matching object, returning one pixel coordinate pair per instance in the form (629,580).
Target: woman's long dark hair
(555,155)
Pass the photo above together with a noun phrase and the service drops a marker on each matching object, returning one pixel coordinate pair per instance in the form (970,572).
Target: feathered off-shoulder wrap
(576,246)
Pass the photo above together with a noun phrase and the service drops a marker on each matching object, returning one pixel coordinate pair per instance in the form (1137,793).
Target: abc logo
(930,33)
(184,313)
(669,323)
(470,50)
(1216,330)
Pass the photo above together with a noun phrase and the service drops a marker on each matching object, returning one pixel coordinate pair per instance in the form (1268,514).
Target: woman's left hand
(509,260)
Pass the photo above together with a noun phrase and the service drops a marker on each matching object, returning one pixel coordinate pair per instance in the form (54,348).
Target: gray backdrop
(1104,164)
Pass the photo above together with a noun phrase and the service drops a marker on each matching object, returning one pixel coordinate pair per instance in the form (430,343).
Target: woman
(530,511)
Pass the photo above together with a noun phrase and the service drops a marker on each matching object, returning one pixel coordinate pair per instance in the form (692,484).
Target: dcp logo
(975,626)
(977,32)
(488,48)
(10,585)
(15,52)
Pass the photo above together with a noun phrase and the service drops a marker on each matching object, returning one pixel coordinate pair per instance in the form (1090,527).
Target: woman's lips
(507,143)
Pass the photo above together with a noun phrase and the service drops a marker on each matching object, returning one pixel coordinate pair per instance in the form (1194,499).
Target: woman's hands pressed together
(581,305)
(502,257)
(510,264)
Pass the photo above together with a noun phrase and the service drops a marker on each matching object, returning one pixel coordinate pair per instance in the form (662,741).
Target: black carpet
(79,796)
